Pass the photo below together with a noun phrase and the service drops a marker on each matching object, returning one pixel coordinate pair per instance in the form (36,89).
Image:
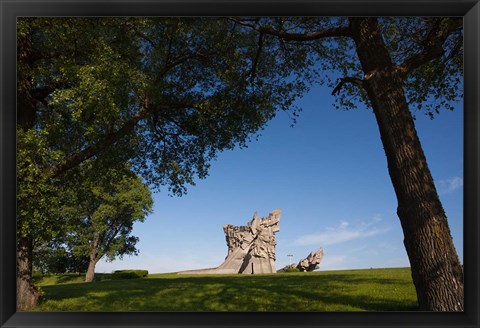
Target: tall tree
(164,94)
(392,64)
(102,213)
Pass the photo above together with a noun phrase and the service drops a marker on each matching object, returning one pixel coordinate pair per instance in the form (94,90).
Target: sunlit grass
(354,290)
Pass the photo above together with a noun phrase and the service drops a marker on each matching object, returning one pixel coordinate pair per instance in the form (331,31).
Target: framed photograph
(224,163)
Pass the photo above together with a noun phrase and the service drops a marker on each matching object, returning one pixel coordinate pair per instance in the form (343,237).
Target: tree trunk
(27,294)
(91,270)
(94,258)
(436,270)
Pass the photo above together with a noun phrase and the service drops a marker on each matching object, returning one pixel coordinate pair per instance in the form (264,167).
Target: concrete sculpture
(310,263)
(251,248)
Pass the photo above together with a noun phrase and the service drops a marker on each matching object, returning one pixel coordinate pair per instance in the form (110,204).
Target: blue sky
(328,174)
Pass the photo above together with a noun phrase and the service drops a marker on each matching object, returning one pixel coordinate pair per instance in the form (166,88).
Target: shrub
(129,274)
(292,270)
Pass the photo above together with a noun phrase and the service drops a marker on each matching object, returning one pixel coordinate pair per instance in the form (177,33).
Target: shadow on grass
(102,276)
(302,292)
(65,279)
(68,278)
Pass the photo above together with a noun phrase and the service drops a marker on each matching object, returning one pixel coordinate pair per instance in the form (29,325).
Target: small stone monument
(251,248)
(310,263)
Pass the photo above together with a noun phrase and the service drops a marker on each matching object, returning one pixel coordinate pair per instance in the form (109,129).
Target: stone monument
(310,263)
(251,248)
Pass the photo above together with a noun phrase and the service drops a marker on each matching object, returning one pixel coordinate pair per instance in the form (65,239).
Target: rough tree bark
(94,258)
(27,294)
(91,269)
(436,270)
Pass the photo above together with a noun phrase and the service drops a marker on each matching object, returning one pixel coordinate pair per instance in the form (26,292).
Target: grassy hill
(352,290)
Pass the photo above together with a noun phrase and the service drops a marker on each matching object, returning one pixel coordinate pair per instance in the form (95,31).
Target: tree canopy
(164,94)
(169,92)
(427,52)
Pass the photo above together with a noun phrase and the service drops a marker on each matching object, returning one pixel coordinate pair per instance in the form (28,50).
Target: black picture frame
(9,10)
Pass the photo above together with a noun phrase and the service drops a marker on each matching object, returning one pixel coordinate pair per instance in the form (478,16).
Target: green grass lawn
(353,290)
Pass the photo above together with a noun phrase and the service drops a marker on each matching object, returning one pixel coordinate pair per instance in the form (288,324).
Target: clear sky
(328,174)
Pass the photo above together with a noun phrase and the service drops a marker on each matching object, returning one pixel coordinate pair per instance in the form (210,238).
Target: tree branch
(432,44)
(94,149)
(347,79)
(40,93)
(46,55)
(178,61)
(145,38)
(455,50)
(110,239)
(257,57)
(309,36)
